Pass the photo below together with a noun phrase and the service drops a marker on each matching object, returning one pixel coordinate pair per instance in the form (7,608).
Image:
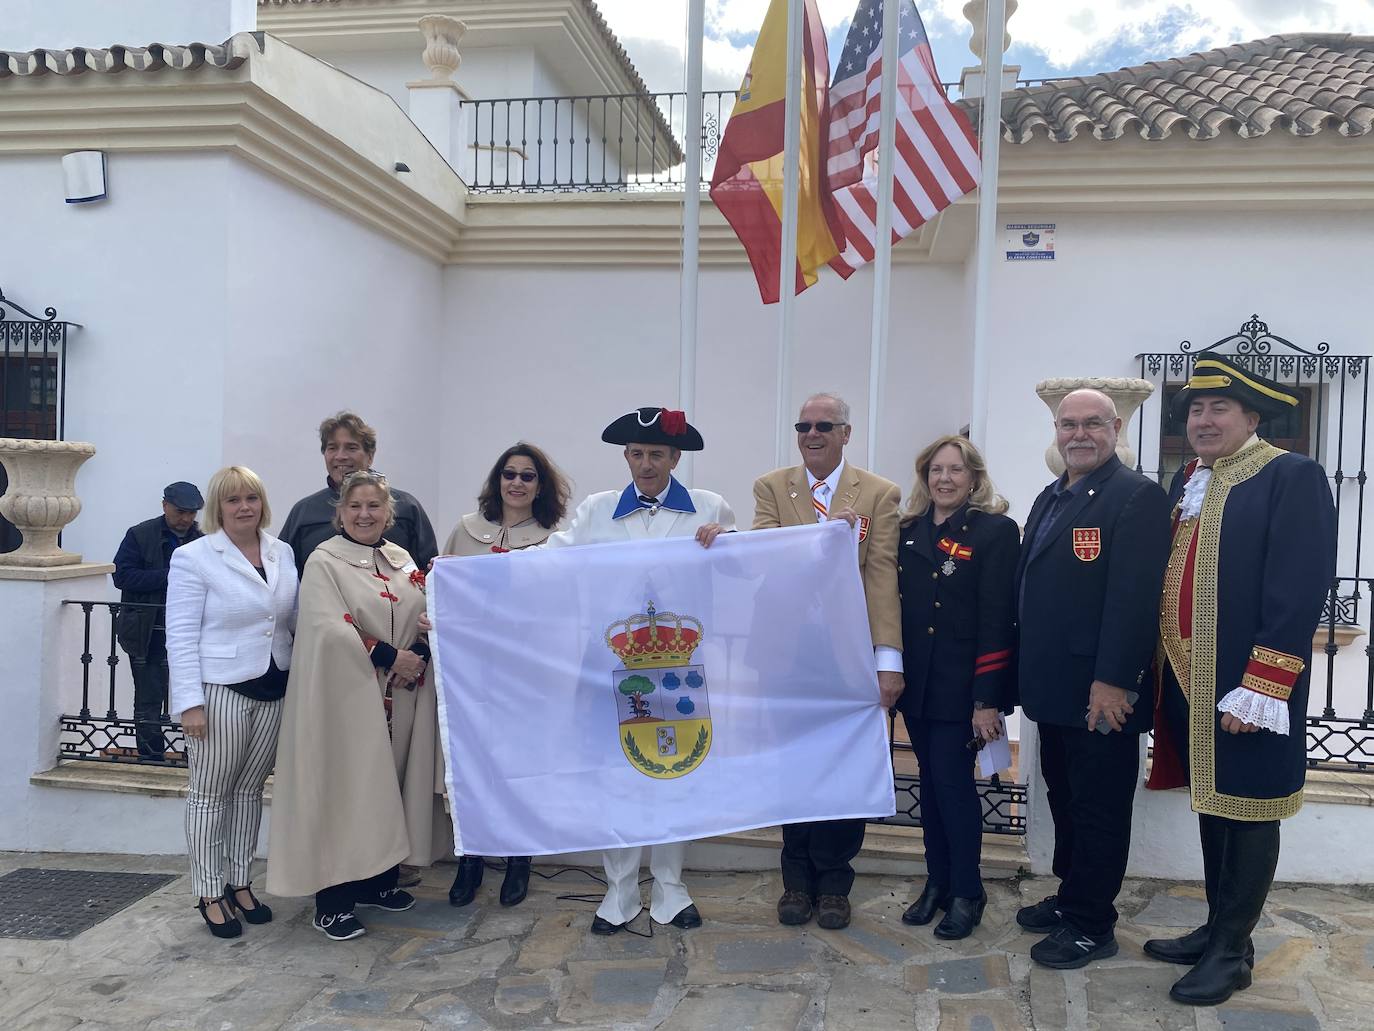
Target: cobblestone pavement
(155,966)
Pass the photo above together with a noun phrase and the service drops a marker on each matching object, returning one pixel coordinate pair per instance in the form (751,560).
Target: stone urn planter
(41,498)
(442,36)
(1129,393)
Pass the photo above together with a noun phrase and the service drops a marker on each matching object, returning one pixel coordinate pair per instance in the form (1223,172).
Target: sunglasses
(525,475)
(821,427)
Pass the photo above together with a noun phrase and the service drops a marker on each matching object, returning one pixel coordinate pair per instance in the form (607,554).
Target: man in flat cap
(816,857)
(140,573)
(1254,553)
(654,505)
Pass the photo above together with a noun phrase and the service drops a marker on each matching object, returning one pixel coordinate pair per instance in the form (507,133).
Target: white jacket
(223,621)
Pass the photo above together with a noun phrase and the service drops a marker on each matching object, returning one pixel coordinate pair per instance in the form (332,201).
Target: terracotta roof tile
(1304,84)
(111,60)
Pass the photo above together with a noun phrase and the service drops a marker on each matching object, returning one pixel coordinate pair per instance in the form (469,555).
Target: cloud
(1069,35)
(1074,35)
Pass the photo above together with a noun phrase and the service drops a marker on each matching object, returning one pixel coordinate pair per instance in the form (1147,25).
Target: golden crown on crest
(654,639)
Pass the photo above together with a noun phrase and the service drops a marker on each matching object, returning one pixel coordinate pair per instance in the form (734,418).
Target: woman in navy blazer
(231,613)
(956,567)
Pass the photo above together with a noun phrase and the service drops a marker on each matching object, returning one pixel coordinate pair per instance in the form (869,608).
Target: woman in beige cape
(338,822)
(523,500)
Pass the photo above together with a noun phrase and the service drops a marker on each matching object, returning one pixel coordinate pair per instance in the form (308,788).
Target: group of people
(1118,609)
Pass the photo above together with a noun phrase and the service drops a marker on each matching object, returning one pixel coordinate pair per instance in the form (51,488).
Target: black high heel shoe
(260,913)
(467,880)
(516,883)
(230,928)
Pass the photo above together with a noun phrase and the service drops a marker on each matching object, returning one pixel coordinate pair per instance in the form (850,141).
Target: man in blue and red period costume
(1253,555)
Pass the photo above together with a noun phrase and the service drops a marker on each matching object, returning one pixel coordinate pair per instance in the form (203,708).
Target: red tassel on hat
(674,423)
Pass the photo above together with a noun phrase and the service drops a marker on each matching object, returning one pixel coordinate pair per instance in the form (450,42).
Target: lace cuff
(1262,711)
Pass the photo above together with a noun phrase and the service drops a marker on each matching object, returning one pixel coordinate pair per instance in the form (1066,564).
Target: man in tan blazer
(816,857)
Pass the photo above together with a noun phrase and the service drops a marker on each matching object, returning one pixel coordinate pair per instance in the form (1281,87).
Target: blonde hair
(365,478)
(983,497)
(230,480)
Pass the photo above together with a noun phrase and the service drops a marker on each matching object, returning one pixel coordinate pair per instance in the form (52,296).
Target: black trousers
(341,898)
(150,696)
(951,814)
(816,857)
(1090,779)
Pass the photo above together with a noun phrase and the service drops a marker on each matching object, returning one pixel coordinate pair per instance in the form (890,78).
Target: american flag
(936,157)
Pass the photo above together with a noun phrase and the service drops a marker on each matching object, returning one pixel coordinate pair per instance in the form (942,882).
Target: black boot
(1247,870)
(468,880)
(1189,949)
(517,881)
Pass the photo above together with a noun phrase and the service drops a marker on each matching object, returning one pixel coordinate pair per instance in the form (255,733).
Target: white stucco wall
(559,352)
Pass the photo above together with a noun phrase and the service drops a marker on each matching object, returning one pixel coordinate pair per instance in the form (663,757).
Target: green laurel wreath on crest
(644,762)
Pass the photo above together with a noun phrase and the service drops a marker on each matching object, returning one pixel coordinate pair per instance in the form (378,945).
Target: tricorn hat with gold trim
(662,426)
(1215,376)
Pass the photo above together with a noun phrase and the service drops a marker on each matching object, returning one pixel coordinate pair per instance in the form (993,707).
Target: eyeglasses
(821,427)
(525,475)
(1089,425)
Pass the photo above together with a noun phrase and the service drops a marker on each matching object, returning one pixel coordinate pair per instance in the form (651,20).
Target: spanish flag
(748,182)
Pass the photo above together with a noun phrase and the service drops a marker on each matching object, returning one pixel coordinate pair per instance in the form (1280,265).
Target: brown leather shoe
(794,908)
(408,877)
(832,912)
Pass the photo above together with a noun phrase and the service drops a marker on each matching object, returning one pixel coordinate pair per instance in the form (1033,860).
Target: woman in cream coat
(231,609)
(523,500)
(339,826)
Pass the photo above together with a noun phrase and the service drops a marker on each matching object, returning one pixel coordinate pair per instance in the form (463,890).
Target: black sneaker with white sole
(341,927)
(1068,948)
(393,900)
(1043,916)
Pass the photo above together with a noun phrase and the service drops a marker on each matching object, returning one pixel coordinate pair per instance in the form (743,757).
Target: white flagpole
(882,258)
(791,190)
(990,141)
(691,230)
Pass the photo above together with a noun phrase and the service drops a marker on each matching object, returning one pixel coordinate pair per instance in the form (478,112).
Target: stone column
(40,666)
(971,85)
(1128,393)
(436,103)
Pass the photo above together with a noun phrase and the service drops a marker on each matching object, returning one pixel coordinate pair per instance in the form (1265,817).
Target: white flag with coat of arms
(651,691)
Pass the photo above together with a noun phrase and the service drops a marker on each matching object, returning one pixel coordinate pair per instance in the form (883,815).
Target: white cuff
(887,659)
(1257,709)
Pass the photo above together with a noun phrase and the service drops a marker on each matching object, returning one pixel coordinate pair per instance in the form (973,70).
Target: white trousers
(667,898)
(224,797)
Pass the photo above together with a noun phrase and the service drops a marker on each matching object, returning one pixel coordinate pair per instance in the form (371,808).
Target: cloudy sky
(1049,37)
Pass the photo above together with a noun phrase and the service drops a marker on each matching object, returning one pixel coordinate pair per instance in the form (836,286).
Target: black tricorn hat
(1217,377)
(662,426)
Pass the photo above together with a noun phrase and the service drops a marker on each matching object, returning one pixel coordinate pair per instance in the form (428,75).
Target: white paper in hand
(995,756)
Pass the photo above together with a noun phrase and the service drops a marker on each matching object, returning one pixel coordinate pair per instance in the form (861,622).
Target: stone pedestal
(1127,392)
(436,103)
(41,498)
(40,678)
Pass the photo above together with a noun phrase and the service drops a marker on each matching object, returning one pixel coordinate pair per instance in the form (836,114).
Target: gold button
(937,604)
(935,576)
(930,630)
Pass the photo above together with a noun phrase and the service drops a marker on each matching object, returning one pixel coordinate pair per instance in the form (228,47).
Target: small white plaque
(83,174)
(1029,241)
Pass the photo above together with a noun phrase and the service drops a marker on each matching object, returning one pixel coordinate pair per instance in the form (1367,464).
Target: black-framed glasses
(821,427)
(525,475)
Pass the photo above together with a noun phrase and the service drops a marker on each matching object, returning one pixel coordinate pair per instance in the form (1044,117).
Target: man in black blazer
(1092,563)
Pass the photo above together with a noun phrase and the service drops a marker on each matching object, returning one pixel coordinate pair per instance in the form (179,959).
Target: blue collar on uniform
(677,500)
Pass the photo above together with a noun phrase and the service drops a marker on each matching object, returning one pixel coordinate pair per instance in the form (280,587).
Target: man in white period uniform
(654,505)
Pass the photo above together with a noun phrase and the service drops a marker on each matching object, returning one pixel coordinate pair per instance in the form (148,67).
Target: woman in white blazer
(231,613)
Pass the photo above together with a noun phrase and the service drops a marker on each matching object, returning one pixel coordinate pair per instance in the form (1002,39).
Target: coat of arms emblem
(1087,542)
(664,717)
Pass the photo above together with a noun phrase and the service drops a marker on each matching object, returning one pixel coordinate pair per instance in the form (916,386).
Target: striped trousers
(224,802)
